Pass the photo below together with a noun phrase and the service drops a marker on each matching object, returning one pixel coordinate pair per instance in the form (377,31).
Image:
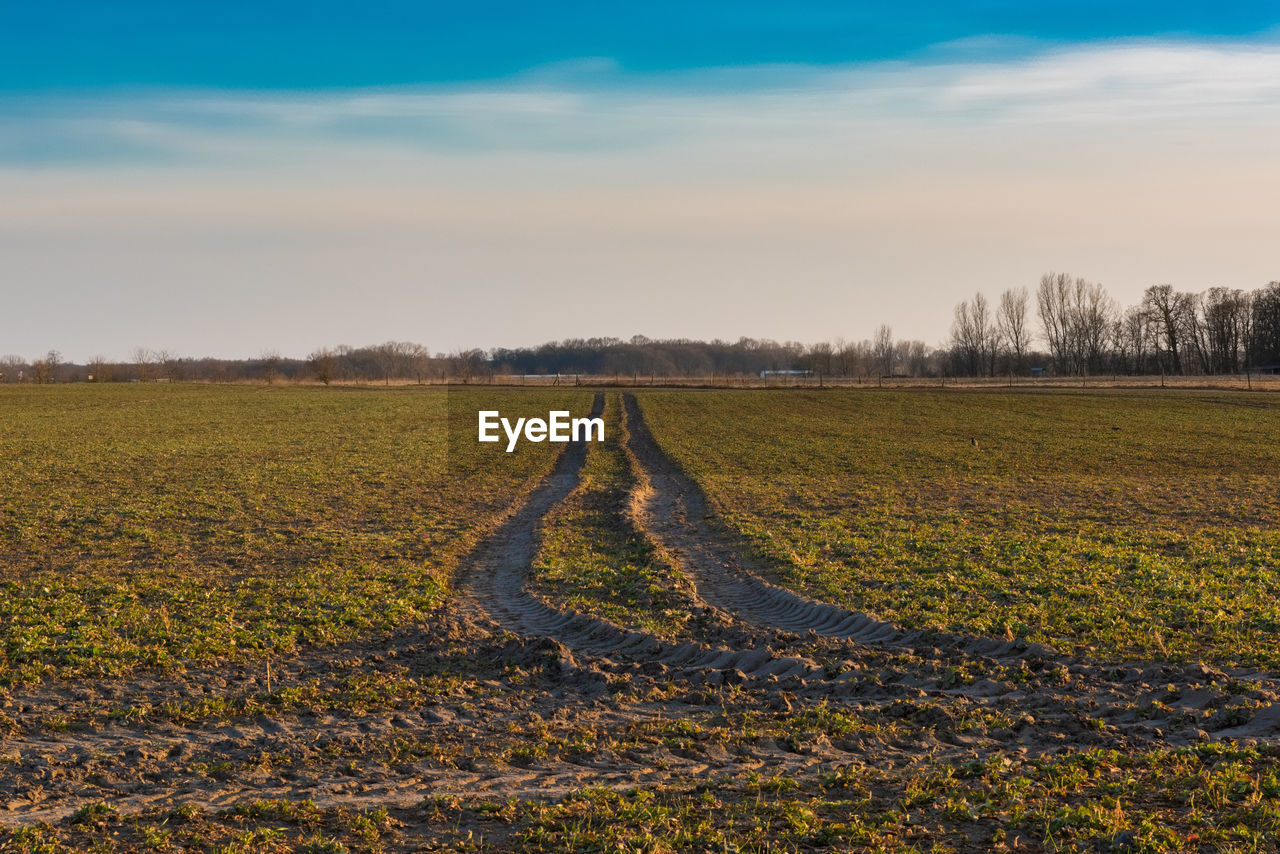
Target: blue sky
(506,173)
(322,43)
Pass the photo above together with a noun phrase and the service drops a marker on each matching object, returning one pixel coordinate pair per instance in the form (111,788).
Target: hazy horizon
(222,184)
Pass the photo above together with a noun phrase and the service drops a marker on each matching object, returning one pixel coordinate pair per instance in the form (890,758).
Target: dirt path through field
(228,735)
(505,694)
(496,584)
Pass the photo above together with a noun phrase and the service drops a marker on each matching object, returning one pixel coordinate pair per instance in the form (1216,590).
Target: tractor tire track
(672,507)
(496,581)
(1151,701)
(47,772)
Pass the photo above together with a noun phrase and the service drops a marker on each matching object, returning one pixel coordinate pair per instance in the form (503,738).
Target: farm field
(269,619)
(1122,525)
(154,525)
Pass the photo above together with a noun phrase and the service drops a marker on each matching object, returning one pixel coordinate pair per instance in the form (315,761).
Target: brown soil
(511,673)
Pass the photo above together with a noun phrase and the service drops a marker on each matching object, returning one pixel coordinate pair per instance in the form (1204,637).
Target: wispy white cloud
(1137,82)
(596,107)
(488,214)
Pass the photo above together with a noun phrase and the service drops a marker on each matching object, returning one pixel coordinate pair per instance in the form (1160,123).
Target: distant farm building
(764,374)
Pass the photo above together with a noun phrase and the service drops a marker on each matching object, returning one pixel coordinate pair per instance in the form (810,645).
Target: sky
(227,179)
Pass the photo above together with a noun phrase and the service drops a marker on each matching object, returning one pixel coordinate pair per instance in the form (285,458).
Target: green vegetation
(258,827)
(1119,524)
(1208,798)
(156,525)
(1223,799)
(171,525)
(592,557)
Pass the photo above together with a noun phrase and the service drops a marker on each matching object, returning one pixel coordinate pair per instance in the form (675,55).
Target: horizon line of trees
(1080,330)
(1086,332)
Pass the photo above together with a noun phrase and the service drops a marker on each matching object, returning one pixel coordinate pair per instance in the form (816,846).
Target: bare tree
(401,359)
(100,370)
(46,370)
(12,368)
(1052,303)
(916,356)
(386,355)
(846,357)
(418,361)
(391,358)
(142,362)
(467,363)
(1089,317)
(973,336)
(1167,309)
(882,350)
(862,358)
(270,361)
(821,358)
(1264,348)
(171,364)
(324,362)
(1076,316)
(1133,341)
(1195,336)
(1011,323)
(1225,319)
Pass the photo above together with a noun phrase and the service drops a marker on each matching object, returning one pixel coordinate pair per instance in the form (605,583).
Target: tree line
(1085,332)
(1067,327)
